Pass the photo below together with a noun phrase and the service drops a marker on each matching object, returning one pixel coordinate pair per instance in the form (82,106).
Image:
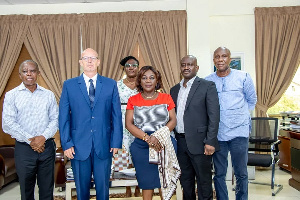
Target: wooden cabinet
(284,153)
(295,162)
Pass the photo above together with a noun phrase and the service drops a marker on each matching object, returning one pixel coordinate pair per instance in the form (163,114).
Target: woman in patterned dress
(148,111)
(127,88)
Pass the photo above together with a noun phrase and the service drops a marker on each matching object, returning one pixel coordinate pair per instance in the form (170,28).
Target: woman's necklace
(149,97)
(131,83)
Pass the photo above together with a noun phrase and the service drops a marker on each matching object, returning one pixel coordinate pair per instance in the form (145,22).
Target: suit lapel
(193,89)
(176,92)
(98,89)
(83,89)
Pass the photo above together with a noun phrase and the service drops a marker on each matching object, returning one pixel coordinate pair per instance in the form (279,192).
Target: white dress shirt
(181,102)
(87,81)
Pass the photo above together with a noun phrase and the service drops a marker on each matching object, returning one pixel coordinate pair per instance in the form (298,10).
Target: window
(290,100)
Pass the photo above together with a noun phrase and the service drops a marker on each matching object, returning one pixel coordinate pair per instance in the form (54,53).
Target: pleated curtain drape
(162,37)
(113,36)
(277,53)
(13,30)
(163,42)
(53,41)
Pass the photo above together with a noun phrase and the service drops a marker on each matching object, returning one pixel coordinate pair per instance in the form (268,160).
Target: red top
(138,100)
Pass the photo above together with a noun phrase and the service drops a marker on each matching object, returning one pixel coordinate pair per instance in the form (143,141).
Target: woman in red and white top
(148,111)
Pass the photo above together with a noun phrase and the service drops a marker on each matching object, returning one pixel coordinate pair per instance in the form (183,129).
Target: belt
(123,104)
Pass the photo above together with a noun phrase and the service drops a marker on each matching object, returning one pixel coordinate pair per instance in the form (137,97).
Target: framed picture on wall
(237,61)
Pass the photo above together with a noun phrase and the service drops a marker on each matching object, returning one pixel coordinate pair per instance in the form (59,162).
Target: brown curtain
(53,41)
(277,53)
(12,33)
(113,36)
(163,42)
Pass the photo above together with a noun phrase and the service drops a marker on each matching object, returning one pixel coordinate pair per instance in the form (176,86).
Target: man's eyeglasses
(86,58)
(127,65)
(30,71)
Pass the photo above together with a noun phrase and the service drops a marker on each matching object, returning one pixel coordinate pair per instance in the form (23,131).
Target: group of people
(188,131)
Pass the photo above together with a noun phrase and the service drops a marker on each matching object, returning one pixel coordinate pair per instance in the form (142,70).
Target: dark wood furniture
(60,171)
(295,161)
(285,150)
(8,171)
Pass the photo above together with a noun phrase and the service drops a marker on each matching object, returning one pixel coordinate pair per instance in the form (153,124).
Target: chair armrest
(2,171)
(275,150)
(2,166)
(274,146)
(7,151)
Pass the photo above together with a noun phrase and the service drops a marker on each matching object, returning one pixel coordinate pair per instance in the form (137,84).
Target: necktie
(92,92)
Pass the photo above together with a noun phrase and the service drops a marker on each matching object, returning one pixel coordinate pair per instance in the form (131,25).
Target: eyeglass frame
(86,58)
(128,65)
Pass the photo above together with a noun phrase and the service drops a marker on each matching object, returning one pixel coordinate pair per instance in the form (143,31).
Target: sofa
(7,165)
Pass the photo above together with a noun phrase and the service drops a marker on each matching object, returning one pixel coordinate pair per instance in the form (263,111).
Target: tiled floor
(256,192)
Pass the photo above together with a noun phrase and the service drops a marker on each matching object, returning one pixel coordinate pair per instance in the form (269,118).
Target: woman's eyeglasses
(127,65)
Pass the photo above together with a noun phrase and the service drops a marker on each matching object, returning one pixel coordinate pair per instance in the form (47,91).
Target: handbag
(154,157)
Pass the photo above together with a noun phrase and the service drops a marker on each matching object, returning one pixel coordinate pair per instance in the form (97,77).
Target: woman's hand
(154,143)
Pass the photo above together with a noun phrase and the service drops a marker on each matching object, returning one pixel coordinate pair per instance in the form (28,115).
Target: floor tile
(256,192)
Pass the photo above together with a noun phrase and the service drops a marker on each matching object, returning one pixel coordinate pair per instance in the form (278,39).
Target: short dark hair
(124,60)
(142,71)
(28,61)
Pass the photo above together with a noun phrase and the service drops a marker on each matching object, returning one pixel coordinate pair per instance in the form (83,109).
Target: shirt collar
(189,83)
(22,87)
(86,78)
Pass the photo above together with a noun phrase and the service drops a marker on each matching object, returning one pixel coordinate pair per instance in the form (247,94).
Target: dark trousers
(83,171)
(192,166)
(32,166)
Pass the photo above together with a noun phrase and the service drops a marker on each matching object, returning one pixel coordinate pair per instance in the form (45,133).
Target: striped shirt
(237,96)
(28,114)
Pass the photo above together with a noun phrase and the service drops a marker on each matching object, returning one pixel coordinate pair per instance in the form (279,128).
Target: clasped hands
(153,143)
(37,143)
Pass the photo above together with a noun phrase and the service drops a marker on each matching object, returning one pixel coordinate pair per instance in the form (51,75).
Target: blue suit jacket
(83,127)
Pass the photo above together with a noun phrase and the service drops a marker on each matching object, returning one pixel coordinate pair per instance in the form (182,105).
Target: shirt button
(93,117)
(91,131)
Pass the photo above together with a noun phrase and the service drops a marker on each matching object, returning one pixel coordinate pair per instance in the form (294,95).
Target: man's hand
(114,150)
(209,150)
(70,153)
(37,143)
(39,150)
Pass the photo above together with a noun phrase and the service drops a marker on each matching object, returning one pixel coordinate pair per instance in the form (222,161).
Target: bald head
(190,57)
(223,49)
(89,51)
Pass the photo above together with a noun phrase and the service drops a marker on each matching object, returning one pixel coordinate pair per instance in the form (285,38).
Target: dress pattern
(149,116)
(124,93)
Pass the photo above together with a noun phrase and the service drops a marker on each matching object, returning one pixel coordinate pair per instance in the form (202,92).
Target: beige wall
(211,23)
(229,23)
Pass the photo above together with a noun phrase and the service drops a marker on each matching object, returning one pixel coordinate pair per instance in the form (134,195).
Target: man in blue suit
(90,125)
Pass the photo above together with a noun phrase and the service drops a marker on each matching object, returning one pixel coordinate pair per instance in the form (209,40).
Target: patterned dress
(124,93)
(149,116)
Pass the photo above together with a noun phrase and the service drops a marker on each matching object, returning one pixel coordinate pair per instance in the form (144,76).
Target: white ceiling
(18,2)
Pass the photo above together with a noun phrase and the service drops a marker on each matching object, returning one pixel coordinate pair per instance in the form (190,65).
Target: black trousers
(194,166)
(32,166)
